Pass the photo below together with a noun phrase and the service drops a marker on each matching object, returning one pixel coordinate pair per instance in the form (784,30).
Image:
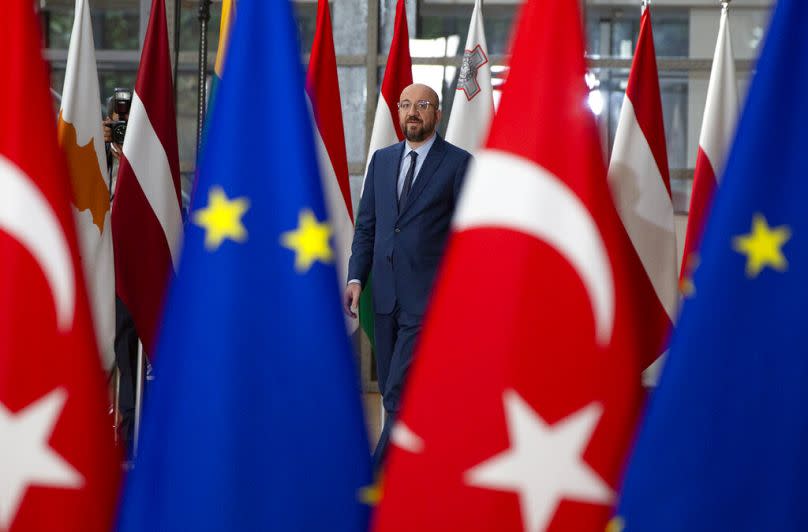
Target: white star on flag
(26,459)
(544,463)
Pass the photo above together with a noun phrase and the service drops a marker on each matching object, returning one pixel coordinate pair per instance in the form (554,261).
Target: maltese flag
(640,184)
(473,104)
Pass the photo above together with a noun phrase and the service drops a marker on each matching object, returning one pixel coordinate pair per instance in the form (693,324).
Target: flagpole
(204,18)
(140,382)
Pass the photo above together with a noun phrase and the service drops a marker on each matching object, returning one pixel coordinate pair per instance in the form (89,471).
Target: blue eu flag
(723,445)
(254,421)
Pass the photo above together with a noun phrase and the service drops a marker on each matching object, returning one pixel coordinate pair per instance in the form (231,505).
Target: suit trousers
(396,334)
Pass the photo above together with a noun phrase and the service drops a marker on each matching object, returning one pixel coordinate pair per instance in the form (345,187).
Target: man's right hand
(116,149)
(350,301)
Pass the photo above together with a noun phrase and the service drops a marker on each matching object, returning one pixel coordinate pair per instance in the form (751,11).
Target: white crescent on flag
(527,198)
(27,216)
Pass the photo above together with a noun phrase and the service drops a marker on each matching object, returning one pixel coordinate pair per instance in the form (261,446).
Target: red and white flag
(640,182)
(59,469)
(82,140)
(146,219)
(717,130)
(526,385)
(473,104)
(322,88)
(397,76)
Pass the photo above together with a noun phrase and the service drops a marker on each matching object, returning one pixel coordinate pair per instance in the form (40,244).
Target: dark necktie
(405,190)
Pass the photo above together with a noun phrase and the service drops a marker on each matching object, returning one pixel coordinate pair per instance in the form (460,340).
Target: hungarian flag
(82,140)
(322,88)
(640,184)
(525,389)
(717,130)
(386,129)
(59,469)
(473,104)
(146,220)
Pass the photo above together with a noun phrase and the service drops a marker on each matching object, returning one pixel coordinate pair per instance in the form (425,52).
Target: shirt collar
(421,150)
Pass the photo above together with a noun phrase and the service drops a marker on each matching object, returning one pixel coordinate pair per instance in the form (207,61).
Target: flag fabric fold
(640,183)
(522,421)
(722,444)
(82,139)
(146,219)
(322,89)
(717,130)
(473,104)
(254,421)
(59,469)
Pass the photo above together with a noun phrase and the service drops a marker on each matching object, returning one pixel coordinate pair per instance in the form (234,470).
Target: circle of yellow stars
(763,246)
(222,218)
(309,241)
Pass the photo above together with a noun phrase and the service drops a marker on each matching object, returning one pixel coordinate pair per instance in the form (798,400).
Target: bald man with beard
(411,189)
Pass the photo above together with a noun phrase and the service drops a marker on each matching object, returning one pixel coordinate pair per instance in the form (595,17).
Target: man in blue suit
(410,193)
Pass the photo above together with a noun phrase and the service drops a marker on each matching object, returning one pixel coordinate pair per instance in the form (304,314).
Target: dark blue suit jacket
(403,249)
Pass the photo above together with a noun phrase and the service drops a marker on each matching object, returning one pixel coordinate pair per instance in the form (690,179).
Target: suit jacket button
(398,230)
(389,258)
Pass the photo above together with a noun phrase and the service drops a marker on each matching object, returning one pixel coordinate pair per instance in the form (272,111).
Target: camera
(120,102)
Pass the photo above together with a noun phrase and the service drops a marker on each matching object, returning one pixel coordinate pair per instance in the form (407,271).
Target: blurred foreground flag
(723,443)
(254,421)
(522,421)
(58,466)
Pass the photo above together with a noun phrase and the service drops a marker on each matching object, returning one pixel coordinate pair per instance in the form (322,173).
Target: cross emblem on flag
(467,82)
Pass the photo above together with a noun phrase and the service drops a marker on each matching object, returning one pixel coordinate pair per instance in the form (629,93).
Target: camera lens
(118,131)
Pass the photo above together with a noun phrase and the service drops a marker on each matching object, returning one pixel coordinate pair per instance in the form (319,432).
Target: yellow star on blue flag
(254,361)
(722,441)
(763,246)
(222,218)
(309,241)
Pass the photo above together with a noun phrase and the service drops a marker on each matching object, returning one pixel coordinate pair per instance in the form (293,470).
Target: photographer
(126,339)
(118,106)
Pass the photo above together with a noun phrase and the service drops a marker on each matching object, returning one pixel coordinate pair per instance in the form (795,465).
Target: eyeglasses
(422,105)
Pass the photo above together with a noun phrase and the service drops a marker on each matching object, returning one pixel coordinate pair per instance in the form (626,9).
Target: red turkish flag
(59,469)
(526,386)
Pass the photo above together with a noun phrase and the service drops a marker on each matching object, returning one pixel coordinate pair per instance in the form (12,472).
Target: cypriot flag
(473,104)
(82,139)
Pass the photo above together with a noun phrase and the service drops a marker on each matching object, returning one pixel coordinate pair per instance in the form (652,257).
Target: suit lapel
(433,159)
